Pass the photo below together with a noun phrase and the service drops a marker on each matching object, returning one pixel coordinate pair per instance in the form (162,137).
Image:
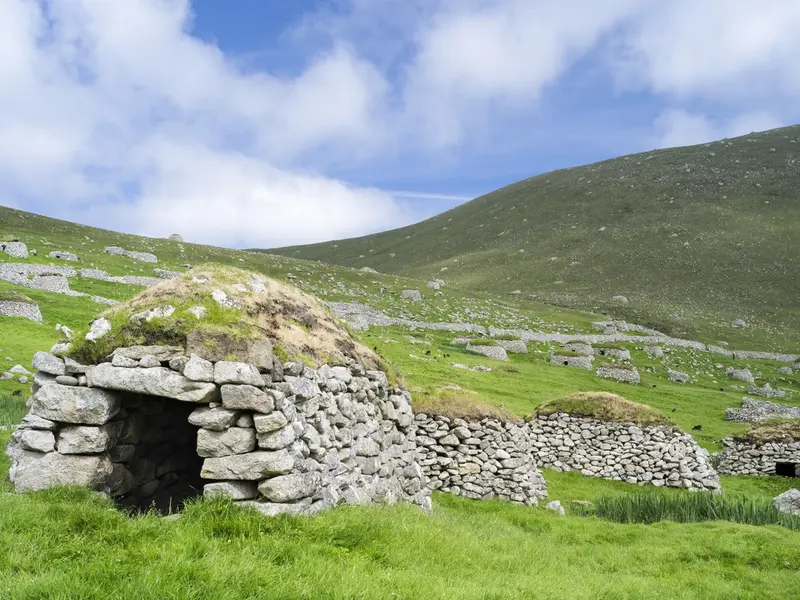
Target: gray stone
(235,372)
(14,249)
(67,380)
(248,467)
(78,405)
(199,369)
(494,352)
(269,423)
(85,439)
(37,440)
(99,328)
(513,346)
(278,439)
(123,361)
(555,506)
(22,310)
(47,363)
(224,443)
(677,376)
(788,502)
(74,367)
(149,361)
(289,488)
(61,349)
(160,352)
(214,419)
(247,397)
(273,509)
(63,255)
(33,471)
(31,421)
(413,295)
(302,388)
(158,381)
(235,490)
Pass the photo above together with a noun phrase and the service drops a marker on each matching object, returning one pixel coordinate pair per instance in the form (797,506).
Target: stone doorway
(155,459)
(787,469)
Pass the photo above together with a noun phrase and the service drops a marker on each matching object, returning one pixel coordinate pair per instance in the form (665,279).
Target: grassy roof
(298,325)
(15,297)
(457,403)
(603,406)
(785,431)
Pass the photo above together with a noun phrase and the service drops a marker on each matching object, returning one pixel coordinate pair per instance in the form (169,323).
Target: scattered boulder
(739,323)
(436,284)
(740,374)
(619,299)
(368,270)
(175,237)
(788,502)
(413,295)
(654,351)
(555,506)
(753,410)
(785,371)
(99,328)
(767,391)
(140,256)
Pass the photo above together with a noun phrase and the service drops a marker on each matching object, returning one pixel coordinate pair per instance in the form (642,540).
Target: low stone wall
(481,459)
(583,362)
(23,310)
(753,410)
(153,423)
(746,458)
(620,373)
(659,456)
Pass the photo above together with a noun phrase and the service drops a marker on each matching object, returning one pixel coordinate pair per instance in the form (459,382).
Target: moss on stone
(785,431)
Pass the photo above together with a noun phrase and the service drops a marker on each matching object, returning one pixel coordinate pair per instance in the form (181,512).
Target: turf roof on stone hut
(603,406)
(224,313)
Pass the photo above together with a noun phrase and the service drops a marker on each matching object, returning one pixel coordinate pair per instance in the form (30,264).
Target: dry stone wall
(740,457)
(479,459)
(23,310)
(659,456)
(153,424)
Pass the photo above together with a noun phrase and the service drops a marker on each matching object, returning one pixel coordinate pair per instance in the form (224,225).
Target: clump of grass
(608,346)
(507,337)
(15,297)
(483,342)
(562,352)
(603,406)
(691,508)
(457,403)
(786,431)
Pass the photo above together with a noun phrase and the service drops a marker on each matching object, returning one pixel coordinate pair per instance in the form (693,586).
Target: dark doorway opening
(156,457)
(786,469)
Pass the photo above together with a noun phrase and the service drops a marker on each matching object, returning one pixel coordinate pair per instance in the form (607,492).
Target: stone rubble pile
(479,459)
(659,456)
(282,437)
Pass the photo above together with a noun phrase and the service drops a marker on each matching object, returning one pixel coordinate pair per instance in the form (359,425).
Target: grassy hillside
(693,237)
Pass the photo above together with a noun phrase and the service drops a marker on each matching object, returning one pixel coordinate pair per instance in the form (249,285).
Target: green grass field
(693,237)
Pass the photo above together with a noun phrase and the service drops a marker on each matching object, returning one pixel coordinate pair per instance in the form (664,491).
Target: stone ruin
(744,457)
(753,410)
(21,307)
(657,455)
(154,425)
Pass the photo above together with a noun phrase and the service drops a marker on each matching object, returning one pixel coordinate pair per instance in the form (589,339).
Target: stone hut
(18,305)
(604,435)
(768,447)
(262,397)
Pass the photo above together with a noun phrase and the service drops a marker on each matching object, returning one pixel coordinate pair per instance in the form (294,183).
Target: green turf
(694,237)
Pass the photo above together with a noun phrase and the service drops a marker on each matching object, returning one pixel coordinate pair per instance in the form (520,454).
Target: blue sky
(263,123)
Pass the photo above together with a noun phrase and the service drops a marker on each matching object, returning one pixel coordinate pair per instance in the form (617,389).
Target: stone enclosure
(154,427)
(659,456)
(740,457)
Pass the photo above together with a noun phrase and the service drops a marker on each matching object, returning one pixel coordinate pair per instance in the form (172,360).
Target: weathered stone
(158,381)
(224,443)
(47,363)
(240,373)
(31,421)
(33,471)
(66,380)
(249,467)
(85,439)
(198,369)
(247,397)
(37,440)
(289,488)
(75,404)
(123,361)
(99,328)
(494,352)
(214,419)
(555,506)
(235,490)
(148,361)
(269,423)
(677,376)
(161,353)
(273,509)
(276,440)
(788,502)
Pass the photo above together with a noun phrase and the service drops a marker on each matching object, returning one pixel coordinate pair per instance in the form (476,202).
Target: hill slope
(693,237)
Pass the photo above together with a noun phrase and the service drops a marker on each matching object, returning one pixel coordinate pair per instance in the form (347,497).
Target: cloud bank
(115,114)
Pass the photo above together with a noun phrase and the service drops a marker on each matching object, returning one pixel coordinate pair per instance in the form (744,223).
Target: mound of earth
(603,406)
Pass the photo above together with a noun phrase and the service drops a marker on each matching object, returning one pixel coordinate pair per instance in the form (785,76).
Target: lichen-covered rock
(289,488)
(33,471)
(249,467)
(677,376)
(235,490)
(98,329)
(788,502)
(234,372)
(235,440)
(78,405)
(87,439)
(213,419)
(248,397)
(47,363)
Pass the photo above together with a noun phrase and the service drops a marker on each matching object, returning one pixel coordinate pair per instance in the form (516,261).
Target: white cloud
(676,127)
(85,93)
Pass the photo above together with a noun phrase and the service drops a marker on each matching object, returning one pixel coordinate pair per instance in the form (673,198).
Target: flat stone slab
(248,467)
(32,471)
(79,405)
(156,381)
